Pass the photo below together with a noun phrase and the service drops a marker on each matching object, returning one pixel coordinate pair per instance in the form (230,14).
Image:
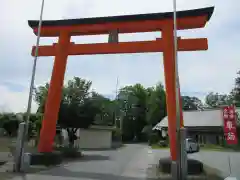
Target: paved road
(128,163)
(133,162)
(220,161)
(215,159)
(4,156)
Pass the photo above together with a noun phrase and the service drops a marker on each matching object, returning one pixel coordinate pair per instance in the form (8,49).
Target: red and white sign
(229,119)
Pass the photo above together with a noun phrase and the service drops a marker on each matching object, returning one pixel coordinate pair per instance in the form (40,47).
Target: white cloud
(14,101)
(214,69)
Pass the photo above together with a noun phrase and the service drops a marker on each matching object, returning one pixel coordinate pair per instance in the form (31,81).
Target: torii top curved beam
(189,19)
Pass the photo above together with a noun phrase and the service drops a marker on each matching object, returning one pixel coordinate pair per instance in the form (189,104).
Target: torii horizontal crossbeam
(124,47)
(189,19)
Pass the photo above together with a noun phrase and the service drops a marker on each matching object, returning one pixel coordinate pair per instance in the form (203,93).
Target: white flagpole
(20,148)
(176,64)
(34,69)
(178,118)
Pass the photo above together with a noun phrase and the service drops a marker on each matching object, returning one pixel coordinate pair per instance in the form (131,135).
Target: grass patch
(156,146)
(220,148)
(69,152)
(7,175)
(5,144)
(4,148)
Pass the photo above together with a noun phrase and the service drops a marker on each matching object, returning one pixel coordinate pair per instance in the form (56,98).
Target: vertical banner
(229,121)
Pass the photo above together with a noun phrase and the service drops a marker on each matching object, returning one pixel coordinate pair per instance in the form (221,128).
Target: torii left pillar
(54,94)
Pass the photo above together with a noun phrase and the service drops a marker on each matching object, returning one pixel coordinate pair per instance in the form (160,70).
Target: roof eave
(138,17)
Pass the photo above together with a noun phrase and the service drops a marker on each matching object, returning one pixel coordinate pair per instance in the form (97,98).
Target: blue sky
(200,72)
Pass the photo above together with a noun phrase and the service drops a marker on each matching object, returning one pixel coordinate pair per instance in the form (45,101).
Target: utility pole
(116,105)
(118,116)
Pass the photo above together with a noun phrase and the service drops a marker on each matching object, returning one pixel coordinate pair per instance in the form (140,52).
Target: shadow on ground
(91,175)
(2,162)
(93,157)
(115,146)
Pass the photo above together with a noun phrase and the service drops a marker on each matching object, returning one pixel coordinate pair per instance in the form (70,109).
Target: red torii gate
(163,22)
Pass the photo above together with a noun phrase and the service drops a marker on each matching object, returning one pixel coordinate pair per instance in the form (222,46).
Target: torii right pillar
(170,83)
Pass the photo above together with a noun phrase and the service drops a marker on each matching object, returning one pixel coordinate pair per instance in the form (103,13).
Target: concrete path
(128,163)
(4,156)
(214,159)
(227,162)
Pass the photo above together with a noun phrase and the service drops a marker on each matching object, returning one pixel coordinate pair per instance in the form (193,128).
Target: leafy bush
(163,143)
(47,159)
(153,138)
(9,122)
(34,126)
(11,127)
(116,135)
(69,152)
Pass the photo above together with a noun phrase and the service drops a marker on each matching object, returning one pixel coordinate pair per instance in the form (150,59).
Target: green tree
(10,123)
(139,108)
(132,101)
(77,110)
(235,93)
(215,100)
(34,125)
(40,97)
(124,103)
(106,109)
(156,105)
(191,103)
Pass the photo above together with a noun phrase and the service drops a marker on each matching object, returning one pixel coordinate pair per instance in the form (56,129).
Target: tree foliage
(215,100)
(138,108)
(40,96)
(191,103)
(235,93)
(10,123)
(156,104)
(78,108)
(106,109)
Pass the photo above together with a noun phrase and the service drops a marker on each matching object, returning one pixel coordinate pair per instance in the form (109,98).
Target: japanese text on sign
(229,119)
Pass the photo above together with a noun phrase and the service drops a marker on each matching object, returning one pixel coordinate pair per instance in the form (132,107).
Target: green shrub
(163,143)
(47,159)
(116,135)
(153,138)
(69,152)
(11,127)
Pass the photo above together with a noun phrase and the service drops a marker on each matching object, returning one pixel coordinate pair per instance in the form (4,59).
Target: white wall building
(205,126)
(95,137)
